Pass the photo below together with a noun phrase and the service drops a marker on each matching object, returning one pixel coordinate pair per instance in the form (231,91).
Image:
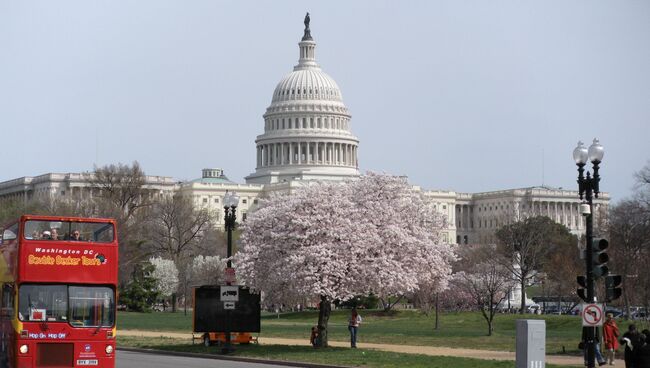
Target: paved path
(409,349)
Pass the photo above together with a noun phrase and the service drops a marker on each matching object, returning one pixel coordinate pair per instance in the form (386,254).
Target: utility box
(531,343)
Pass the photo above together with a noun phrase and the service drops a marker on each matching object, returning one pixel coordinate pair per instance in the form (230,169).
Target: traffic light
(599,257)
(582,290)
(613,289)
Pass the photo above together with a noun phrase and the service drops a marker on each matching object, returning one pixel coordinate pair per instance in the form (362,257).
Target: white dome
(307,84)
(307,132)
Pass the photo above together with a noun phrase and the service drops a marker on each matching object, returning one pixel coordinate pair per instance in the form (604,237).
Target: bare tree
(119,193)
(176,226)
(176,229)
(485,279)
(122,186)
(629,225)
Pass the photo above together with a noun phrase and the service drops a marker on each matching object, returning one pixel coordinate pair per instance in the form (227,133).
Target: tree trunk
(325,309)
(523,296)
(488,319)
(626,299)
(185,298)
(437,319)
(174,303)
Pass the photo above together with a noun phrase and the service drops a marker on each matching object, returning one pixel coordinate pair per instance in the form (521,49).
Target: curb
(226,357)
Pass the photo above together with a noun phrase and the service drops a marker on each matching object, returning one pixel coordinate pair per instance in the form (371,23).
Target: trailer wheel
(206,340)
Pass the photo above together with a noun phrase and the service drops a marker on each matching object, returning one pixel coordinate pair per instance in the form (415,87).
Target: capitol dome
(307,84)
(307,126)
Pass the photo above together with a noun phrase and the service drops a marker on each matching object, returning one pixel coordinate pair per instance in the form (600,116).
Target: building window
(254,201)
(205,200)
(244,201)
(444,207)
(243,216)
(216,200)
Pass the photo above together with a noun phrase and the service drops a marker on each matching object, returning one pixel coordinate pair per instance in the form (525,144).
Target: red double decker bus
(58,279)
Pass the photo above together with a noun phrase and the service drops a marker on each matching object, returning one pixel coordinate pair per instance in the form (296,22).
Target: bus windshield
(81,306)
(69,231)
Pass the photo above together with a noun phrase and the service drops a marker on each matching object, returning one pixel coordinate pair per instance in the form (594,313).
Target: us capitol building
(307,136)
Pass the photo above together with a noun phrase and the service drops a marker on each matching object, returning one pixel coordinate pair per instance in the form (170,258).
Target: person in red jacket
(610,338)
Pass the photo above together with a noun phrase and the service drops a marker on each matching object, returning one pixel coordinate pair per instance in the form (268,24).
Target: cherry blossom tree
(166,275)
(206,270)
(333,241)
(409,251)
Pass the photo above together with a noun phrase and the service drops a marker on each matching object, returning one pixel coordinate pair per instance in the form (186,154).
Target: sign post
(230,275)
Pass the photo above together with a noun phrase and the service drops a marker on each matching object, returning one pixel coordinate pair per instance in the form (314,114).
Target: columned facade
(479,215)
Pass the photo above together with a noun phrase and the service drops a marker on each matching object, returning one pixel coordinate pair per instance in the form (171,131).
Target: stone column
(339,154)
(274,156)
(290,153)
(329,153)
(308,157)
(299,153)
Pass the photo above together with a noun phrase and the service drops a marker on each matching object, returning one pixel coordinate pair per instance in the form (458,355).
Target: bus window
(92,306)
(43,303)
(98,232)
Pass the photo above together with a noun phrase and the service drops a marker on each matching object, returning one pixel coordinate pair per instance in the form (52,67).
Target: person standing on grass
(610,338)
(353,326)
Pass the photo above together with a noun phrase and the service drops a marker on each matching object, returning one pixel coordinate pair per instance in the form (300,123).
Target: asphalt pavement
(134,359)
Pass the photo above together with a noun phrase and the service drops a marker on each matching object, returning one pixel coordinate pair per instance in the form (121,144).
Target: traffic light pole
(590,344)
(589,188)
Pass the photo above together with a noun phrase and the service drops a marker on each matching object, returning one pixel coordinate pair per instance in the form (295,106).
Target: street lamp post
(588,187)
(230,202)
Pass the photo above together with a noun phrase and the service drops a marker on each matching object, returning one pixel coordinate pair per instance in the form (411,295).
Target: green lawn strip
(330,356)
(458,330)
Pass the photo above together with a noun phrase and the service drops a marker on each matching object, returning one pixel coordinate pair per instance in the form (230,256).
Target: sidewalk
(409,349)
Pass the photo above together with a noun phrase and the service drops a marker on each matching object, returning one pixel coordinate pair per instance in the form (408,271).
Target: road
(127,359)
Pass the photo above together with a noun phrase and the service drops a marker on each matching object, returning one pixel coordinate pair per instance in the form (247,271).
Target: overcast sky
(468,96)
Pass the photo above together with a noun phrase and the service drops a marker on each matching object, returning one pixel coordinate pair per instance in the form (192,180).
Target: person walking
(353,326)
(632,340)
(599,357)
(610,338)
(643,353)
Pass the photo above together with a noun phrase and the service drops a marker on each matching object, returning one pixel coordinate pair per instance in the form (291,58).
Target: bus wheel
(206,340)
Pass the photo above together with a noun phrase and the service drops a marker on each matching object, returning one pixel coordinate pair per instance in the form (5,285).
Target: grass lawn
(330,356)
(464,330)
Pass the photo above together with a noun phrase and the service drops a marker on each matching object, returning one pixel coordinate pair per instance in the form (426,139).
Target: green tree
(525,247)
(140,293)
